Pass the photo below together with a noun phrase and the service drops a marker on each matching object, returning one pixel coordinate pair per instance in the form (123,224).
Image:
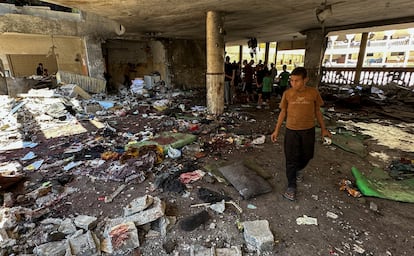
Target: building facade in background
(391,48)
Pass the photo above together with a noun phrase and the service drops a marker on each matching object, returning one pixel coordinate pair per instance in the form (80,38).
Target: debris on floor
(89,173)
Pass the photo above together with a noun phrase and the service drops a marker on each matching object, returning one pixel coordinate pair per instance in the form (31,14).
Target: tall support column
(241,53)
(361,56)
(277,44)
(266,60)
(315,46)
(215,63)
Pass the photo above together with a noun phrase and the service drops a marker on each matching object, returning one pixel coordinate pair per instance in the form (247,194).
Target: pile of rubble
(50,137)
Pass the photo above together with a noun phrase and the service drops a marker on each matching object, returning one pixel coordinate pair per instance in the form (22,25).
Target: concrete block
(138,204)
(85,222)
(151,214)
(258,235)
(233,251)
(73,90)
(52,248)
(122,238)
(92,108)
(67,227)
(8,200)
(85,245)
(5,240)
(203,251)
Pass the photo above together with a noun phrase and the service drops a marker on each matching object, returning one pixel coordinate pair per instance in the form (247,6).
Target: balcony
(369,76)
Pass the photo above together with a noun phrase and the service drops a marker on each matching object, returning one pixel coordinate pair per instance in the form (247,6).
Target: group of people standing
(255,82)
(41,71)
(299,108)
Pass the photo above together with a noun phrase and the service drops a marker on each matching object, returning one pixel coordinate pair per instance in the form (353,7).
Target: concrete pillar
(94,59)
(215,63)
(315,46)
(266,60)
(241,53)
(277,44)
(361,57)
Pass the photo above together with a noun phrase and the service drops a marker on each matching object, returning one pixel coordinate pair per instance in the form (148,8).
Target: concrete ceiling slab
(266,20)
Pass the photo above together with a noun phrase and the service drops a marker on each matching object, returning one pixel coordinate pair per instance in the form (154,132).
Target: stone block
(52,248)
(85,222)
(203,251)
(85,245)
(258,235)
(67,227)
(233,251)
(8,200)
(151,214)
(122,238)
(5,240)
(138,204)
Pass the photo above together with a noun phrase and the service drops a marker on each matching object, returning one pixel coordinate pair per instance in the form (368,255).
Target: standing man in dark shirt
(248,79)
(230,73)
(39,70)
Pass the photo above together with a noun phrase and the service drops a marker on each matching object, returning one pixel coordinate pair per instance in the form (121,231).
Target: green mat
(348,141)
(380,184)
(165,139)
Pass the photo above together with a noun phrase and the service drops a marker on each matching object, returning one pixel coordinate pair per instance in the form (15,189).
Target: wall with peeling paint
(64,48)
(187,62)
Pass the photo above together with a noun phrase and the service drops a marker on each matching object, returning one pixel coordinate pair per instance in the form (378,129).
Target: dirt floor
(360,229)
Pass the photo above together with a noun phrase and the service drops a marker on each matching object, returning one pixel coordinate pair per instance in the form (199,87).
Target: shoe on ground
(290,194)
(259,107)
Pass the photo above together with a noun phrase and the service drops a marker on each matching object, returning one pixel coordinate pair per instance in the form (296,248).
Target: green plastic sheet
(380,184)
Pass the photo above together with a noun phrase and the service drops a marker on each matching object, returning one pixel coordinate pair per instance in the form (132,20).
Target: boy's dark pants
(299,147)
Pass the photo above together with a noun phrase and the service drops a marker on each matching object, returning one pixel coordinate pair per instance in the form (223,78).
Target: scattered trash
(192,222)
(347,185)
(373,206)
(219,207)
(331,215)
(251,206)
(29,156)
(358,249)
(111,197)
(327,141)
(173,153)
(210,196)
(34,166)
(401,169)
(189,177)
(259,140)
(305,220)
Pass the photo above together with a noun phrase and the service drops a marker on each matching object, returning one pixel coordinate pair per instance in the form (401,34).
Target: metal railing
(369,76)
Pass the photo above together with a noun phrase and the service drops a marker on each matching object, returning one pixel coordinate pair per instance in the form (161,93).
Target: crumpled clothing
(188,177)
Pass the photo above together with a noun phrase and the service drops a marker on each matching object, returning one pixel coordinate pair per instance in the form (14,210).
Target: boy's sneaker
(259,107)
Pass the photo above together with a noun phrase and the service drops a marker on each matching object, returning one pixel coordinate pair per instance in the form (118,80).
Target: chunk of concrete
(52,248)
(67,227)
(151,214)
(86,244)
(203,251)
(122,238)
(5,240)
(85,222)
(258,235)
(138,204)
(233,251)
